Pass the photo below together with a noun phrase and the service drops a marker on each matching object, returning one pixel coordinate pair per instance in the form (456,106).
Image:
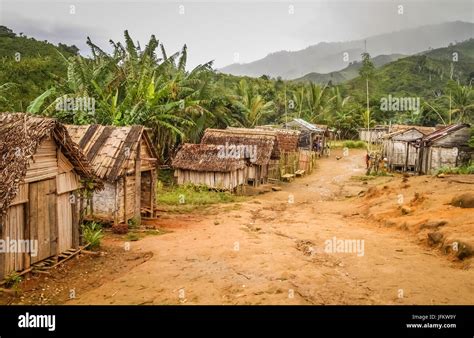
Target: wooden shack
(203,164)
(400,151)
(445,148)
(287,144)
(376,134)
(125,159)
(373,134)
(261,143)
(309,133)
(41,169)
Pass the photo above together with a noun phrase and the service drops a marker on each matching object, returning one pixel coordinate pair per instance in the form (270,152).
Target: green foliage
(443,85)
(92,233)
(463,170)
(354,144)
(367,69)
(132,237)
(193,195)
(31,65)
(133,223)
(13,280)
(148,86)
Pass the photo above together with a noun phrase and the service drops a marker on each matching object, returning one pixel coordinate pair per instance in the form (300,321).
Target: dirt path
(271,250)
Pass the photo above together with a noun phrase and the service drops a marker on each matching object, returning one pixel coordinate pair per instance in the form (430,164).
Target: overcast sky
(222,30)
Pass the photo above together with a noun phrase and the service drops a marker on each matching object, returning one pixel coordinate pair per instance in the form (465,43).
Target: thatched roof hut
(205,157)
(265,141)
(21,135)
(206,164)
(112,150)
(310,133)
(287,139)
(126,160)
(41,171)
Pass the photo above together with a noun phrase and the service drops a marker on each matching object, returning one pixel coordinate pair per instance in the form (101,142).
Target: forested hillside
(150,86)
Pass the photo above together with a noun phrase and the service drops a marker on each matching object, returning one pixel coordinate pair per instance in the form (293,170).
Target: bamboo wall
(307,160)
(217,180)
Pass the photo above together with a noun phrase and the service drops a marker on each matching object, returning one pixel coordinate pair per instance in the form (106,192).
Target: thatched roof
(205,157)
(20,137)
(265,141)
(287,139)
(110,150)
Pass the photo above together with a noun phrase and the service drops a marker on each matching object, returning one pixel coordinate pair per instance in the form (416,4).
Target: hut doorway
(42,218)
(146,193)
(64,222)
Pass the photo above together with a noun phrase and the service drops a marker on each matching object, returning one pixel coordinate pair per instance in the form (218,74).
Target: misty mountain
(327,57)
(347,73)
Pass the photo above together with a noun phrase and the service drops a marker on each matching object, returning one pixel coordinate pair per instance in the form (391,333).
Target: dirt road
(274,249)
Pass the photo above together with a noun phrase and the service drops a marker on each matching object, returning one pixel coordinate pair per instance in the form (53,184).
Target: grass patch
(132,237)
(350,144)
(354,144)
(463,170)
(193,195)
(363,178)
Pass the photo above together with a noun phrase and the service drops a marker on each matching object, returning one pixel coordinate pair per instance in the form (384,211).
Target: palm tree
(318,100)
(251,104)
(461,103)
(135,86)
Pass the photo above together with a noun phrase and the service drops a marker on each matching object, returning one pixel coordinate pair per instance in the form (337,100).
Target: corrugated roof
(440,133)
(306,125)
(400,132)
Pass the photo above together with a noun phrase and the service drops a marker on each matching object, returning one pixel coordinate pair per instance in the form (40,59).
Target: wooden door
(64,222)
(43,218)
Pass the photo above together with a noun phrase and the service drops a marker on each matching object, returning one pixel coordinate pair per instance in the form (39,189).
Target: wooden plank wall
(218,180)
(44,164)
(65,225)
(145,153)
(441,157)
(129,197)
(42,209)
(14,230)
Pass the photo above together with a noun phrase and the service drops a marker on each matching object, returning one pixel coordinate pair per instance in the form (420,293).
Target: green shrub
(13,280)
(463,170)
(92,234)
(133,223)
(354,144)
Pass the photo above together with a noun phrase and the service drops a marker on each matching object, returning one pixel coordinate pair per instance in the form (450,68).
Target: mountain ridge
(327,57)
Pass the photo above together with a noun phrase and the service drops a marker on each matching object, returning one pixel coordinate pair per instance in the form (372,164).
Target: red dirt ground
(269,251)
